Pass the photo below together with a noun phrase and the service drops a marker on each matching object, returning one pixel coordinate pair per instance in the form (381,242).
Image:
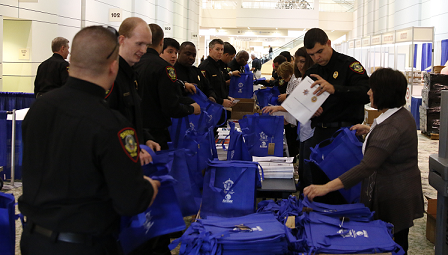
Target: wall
(51,18)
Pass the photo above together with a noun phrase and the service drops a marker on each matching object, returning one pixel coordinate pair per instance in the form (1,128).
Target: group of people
(82,161)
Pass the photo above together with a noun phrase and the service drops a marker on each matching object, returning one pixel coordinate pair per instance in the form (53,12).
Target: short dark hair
(229,49)
(157,34)
(170,42)
(301,52)
(185,44)
(313,36)
(279,59)
(212,43)
(287,55)
(389,88)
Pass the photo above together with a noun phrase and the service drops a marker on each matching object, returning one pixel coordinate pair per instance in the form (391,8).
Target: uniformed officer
(80,159)
(239,62)
(134,35)
(227,56)
(160,91)
(188,73)
(347,82)
(53,72)
(213,70)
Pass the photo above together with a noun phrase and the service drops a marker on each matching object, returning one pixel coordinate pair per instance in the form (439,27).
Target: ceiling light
(248,27)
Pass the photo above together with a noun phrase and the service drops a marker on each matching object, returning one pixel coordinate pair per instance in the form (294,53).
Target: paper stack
(276,167)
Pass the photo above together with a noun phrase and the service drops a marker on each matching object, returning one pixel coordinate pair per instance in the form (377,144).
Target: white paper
(302,103)
(273,159)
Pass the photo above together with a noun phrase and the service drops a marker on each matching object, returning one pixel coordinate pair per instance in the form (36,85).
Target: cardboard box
(431,220)
(244,105)
(239,115)
(370,114)
(437,69)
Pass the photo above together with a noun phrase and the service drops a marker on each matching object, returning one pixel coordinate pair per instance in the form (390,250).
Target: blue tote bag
(263,134)
(174,163)
(7,224)
(267,96)
(243,86)
(213,110)
(237,149)
(162,217)
(336,156)
(229,188)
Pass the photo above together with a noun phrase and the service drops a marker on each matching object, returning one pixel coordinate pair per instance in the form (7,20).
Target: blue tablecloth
(5,147)
(15,100)
(415,106)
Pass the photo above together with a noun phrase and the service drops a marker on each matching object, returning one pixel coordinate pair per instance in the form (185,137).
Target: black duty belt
(63,236)
(332,124)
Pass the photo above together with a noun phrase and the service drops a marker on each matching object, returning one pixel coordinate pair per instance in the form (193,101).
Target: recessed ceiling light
(276,28)
(248,27)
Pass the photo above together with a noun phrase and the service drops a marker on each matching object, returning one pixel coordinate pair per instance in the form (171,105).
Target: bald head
(242,57)
(93,50)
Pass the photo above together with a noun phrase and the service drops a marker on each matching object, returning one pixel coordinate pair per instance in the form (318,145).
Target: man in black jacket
(160,90)
(80,159)
(187,72)
(134,35)
(53,72)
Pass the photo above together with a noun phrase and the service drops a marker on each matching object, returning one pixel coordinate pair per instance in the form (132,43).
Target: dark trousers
(36,244)
(291,140)
(401,238)
(304,171)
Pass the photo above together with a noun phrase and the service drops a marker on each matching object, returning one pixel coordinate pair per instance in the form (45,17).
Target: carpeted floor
(418,244)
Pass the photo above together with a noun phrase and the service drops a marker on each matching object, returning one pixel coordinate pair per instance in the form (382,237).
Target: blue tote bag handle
(212,180)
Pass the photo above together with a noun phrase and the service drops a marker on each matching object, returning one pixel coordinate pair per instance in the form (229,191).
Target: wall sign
(194,36)
(115,15)
(168,30)
(24,54)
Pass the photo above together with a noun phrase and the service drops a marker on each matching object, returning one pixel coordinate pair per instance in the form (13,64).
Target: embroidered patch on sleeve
(109,91)
(203,72)
(129,143)
(171,72)
(357,67)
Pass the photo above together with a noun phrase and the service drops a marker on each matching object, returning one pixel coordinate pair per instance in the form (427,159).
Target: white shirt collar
(387,114)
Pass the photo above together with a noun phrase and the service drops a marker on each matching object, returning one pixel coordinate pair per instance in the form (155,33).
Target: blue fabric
(174,163)
(3,140)
(444,52)
(18,150)
(262,131)
(415,110)
(257,234)
(426,56)
(331,235)
(162,217)
(15,100)
(7,224)
(267,96)
(213,110)
(336,156)
(415,55)
(229,188)
(237,149)
(243,86)
(357,211)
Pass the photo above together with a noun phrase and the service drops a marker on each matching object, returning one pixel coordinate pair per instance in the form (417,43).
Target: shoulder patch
(357,67)
(109,91)
(203,72)
(171,72)
(68,68)
(129,143)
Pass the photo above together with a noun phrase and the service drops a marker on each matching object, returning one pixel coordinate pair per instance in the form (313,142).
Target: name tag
(126,94)
(214,75)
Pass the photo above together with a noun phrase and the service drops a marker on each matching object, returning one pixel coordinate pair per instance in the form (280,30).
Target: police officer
(188,73)
(53,72)
(227,56)
(160,91)
(347,82)
(213,70)
(239,62)
(134,35)
(80,160)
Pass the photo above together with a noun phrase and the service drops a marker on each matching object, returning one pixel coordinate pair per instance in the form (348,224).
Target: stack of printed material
(223,136)
(251,234)
(276,167)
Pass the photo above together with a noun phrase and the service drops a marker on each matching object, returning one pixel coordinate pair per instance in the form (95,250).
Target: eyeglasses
(115,32)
